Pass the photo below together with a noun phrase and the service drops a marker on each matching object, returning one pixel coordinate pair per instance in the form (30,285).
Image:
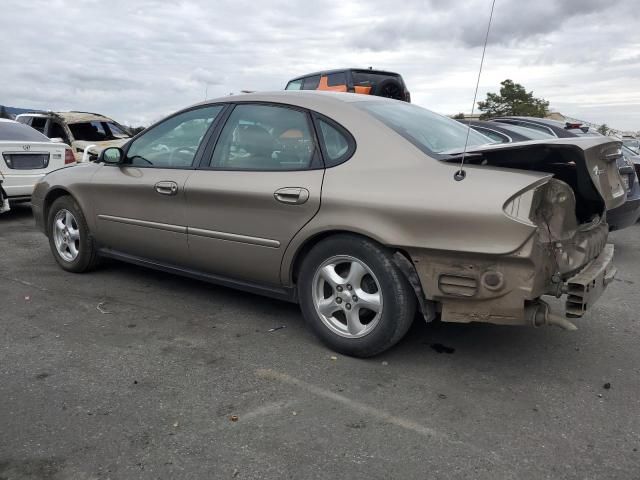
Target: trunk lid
(31,157)
(588,164)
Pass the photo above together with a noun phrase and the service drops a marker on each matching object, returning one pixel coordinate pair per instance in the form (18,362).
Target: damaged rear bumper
(507,289)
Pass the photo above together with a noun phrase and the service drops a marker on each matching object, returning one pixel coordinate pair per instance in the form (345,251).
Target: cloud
(138,61)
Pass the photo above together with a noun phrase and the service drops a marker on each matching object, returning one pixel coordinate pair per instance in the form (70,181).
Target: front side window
(311,83)
(264,137)
(432,133)
(174,142)
(90,131)
(294,85)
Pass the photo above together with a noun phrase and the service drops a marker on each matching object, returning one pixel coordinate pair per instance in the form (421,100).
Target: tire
(76,237)
(348,325)
(390,88)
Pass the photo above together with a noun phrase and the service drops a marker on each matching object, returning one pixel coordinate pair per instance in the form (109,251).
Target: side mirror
(57,140)
(111,156)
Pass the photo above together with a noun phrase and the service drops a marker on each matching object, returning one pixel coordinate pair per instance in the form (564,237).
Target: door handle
(166,188)
(292,195)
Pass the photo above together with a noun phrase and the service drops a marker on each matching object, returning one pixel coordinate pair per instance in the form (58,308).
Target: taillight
(68,156)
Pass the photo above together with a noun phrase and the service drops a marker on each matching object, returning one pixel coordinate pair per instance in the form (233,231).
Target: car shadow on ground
(483,343)
(18,212)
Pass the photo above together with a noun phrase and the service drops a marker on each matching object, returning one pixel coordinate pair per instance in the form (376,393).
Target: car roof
(7,120)
(70,117)
(298,97)
(340,70)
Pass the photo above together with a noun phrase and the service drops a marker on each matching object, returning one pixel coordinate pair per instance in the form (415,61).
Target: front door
(254,192)
(140,204)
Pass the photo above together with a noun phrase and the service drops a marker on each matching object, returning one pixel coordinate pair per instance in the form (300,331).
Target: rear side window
(39,123)
(265,137)
(311,83)
(338,145)
(336,79)
(20,132)
(294,85)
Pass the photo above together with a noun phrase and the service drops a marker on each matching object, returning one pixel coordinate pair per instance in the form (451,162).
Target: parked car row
(521,129)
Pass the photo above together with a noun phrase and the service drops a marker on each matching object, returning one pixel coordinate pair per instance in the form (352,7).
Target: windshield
(18,132)
(530,133)
(629,152)
(97,131)
(430,132)
(632,144)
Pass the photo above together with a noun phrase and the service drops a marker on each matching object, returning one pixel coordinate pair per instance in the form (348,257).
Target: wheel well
(404,262)
(51,197)
(313,241)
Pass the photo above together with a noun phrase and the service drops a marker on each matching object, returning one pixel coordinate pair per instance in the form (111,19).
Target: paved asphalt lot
(147,389)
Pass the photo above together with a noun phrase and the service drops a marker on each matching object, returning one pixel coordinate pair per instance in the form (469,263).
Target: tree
(3,112)
(604,129)
(513,99)
(458,116)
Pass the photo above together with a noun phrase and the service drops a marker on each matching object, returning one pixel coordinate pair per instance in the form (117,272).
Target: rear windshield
(20,132)
(97,131)
(371,79)
(430,132)
(532,133)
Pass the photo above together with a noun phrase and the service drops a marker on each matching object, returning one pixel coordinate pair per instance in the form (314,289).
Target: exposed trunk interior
(566,164)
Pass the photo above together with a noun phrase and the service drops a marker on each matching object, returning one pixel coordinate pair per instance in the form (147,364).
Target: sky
(139,60)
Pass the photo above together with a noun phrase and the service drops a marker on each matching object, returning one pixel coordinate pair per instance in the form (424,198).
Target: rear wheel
(69,237)
(354,297)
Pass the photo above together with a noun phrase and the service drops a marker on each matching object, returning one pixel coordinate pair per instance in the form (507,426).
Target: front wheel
(69,237)
(354,297)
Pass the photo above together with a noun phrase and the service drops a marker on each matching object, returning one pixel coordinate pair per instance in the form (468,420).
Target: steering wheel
(138,157)
(181,151)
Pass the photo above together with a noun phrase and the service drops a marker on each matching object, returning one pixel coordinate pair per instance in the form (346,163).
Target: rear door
(140,204)
(254,191)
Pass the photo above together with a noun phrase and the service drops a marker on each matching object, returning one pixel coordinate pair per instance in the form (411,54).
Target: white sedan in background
(26,157)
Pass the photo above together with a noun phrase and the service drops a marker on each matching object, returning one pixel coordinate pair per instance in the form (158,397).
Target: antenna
(461,174)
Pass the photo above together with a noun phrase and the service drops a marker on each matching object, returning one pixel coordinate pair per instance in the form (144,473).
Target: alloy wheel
(347,296)
(66,235)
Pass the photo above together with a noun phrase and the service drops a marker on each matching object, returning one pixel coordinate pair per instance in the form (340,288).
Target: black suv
(354,80)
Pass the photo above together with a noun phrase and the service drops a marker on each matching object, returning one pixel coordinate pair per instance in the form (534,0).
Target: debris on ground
(277,328)
(438,347)
(607,386)
(333,357)
(101,309)
(233,418)
(175,425)
(442,396)
(385,363)
(27,298)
